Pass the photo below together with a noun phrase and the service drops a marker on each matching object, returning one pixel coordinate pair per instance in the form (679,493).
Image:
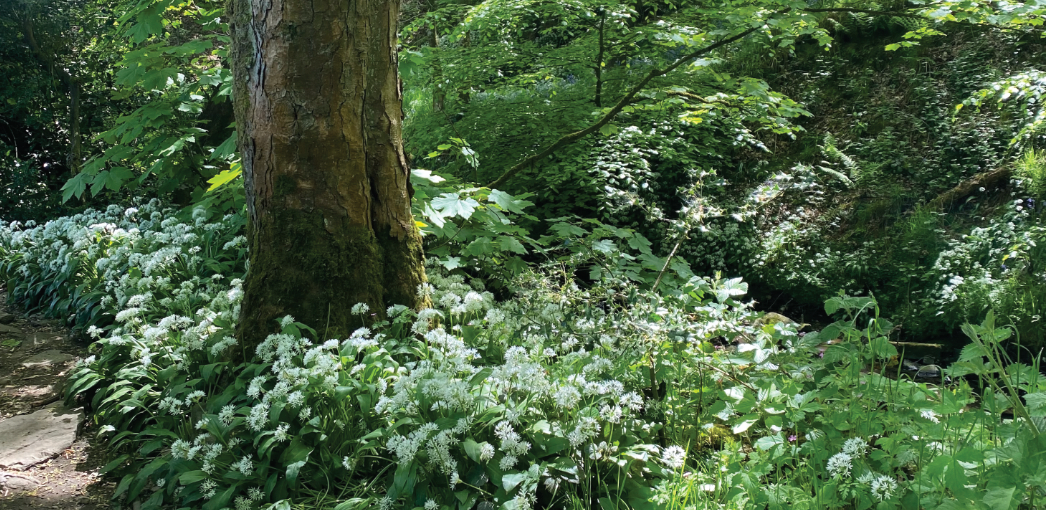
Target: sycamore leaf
(481,246)
(225,177)
(511,244)
(508,202)
(118,176)
(451,263)
(75,186)
(605,246)
(451,204)
(567,230)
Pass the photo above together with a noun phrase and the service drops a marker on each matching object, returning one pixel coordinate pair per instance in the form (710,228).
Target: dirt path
(44,463)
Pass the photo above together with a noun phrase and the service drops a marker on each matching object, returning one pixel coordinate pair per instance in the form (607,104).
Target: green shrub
(1031,169)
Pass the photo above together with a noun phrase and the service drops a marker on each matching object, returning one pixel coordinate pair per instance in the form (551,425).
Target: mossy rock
(771,319)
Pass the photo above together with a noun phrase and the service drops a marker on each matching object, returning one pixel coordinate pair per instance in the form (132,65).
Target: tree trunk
(318,111)
(72,85)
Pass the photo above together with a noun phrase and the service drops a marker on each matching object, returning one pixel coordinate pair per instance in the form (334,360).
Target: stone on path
(29,439)
(6,318)
(47,358)
(16,482)
(10,331)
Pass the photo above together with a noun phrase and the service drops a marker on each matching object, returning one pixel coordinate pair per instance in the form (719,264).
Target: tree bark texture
(319,110)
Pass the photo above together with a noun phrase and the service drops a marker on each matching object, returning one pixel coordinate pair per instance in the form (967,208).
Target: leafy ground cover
(582,392)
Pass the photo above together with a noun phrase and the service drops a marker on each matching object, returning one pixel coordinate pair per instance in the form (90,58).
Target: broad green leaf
(451,204)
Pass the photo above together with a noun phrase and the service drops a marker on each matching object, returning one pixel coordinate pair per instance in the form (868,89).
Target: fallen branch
(963,189)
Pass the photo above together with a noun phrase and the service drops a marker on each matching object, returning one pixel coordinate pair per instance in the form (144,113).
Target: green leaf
(75,186)
(511,244)
(508,202)
(451,263)
(1002,498)
(192,477)
(510,481)
(605,246)
(117,176)
(472,449)
(768,442)
(480,247)
(224,177)
(350,504)
(451,204)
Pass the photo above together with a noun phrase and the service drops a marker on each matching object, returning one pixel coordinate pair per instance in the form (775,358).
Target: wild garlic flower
(508,462)
(855,447)
(280,434)
(673,457)
(180,449)
(245,465)
(486,451)
(360,308)
(208,489)
(839,465)
(928,414)
(883,487)
(226,415)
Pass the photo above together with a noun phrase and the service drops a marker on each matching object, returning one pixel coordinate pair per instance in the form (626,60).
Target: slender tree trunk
(318,111)
(599,61)
(439,94)
(72,85)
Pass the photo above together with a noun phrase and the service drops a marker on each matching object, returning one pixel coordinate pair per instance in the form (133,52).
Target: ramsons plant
(611,378)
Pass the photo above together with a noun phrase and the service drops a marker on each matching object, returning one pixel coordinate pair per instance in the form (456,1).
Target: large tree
(318,109)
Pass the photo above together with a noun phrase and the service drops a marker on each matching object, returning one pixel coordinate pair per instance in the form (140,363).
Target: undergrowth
(586,389)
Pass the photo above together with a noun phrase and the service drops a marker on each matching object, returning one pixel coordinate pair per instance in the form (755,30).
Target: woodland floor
(58,470)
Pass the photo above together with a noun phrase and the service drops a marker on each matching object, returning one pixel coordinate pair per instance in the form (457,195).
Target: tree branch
(569,138)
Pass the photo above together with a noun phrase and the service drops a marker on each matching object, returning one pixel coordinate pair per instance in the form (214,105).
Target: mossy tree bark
(319,109)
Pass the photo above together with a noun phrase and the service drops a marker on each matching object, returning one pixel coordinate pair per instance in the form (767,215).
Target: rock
(6,318)
(29,439)
(47,358)
(10,331)
(771,319)
(928,372)
(15,482)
